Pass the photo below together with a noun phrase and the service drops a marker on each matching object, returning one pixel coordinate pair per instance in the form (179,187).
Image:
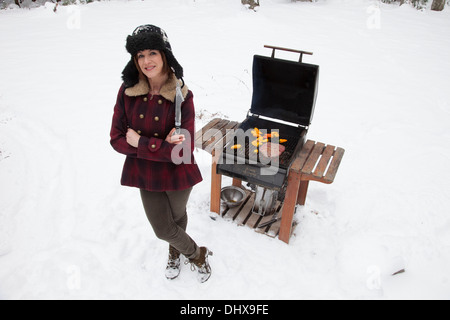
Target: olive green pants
(167,214)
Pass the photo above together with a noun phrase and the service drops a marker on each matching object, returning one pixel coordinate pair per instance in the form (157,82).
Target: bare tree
(252,3)
(438,5)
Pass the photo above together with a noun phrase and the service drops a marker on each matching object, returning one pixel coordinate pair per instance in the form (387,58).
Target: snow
(68,230)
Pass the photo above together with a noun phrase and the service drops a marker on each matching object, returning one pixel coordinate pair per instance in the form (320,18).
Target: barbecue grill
(282,107)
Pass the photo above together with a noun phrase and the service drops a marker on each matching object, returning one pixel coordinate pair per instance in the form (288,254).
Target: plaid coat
(152,165)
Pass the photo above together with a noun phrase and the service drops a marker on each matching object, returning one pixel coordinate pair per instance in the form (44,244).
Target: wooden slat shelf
(243,216)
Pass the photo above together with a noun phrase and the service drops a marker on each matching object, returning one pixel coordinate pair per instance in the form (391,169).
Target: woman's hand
(133,138)
(175,139)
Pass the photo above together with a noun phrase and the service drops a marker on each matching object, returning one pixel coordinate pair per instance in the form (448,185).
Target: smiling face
(151,63)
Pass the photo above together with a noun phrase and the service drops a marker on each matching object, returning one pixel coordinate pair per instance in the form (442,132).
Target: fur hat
(148,37)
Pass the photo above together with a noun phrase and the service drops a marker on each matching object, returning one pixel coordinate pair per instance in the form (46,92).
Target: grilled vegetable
(256,132)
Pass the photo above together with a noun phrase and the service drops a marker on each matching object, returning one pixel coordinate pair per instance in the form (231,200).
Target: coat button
(156,118)
(139,131)
(156,134)
(160,101)
(145,99)
(153,146)
(141,116)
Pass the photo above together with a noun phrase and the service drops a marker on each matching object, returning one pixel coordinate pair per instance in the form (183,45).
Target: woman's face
(150,62)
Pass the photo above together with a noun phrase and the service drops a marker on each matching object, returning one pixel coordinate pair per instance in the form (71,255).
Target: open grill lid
(284,90)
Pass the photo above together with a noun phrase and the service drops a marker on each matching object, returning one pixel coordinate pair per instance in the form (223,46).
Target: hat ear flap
(130,75)
(173,63)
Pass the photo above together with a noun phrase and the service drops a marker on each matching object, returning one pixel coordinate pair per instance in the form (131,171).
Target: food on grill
(260,138)
(256,132)
(258,142)
(269,148)
(272,150)
(271,135)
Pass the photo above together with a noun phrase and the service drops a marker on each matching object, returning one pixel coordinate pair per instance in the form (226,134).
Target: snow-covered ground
(68,230)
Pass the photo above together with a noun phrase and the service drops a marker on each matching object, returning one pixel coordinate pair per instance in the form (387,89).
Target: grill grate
(247,153)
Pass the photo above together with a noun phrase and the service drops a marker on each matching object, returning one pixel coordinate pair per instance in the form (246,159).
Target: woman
(143,128)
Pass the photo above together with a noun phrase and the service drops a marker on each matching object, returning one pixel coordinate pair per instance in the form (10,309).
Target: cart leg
(290,202)
(237,182)
(303,190)
(216,186)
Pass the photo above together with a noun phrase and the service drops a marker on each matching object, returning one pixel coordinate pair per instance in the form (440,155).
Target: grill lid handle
(290,50)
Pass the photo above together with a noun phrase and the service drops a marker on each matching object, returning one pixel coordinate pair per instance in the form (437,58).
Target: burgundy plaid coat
(151,166)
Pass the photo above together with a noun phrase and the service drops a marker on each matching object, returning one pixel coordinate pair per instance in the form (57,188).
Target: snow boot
(202,265)
(173,264)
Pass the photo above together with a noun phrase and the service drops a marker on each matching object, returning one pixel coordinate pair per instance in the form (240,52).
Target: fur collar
(168,90)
